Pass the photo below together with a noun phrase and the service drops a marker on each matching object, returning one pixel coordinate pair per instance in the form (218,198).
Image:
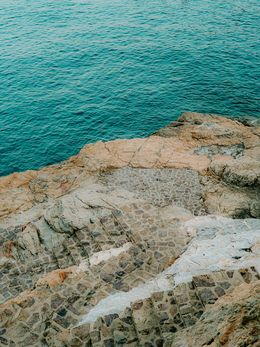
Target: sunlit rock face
(141,242)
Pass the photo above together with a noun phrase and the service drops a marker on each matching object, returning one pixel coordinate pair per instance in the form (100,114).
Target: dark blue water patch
(77,71)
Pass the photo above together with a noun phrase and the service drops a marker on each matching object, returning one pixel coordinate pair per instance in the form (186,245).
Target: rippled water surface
(78,71)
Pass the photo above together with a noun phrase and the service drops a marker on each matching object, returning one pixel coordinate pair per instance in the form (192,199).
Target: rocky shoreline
(142,242)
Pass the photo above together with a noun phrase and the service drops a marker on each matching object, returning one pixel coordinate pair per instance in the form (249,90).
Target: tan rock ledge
(142,242)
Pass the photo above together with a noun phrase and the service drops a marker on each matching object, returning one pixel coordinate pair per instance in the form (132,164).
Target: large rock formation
(143,242)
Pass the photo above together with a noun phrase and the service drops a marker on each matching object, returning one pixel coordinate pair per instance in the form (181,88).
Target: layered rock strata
(143,242)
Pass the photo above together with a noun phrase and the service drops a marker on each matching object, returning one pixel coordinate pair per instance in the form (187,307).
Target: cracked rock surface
(142,242)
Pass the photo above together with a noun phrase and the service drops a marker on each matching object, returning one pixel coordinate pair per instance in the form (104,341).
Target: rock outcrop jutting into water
(143,242)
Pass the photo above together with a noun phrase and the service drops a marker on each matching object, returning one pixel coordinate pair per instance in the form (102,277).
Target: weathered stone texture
(116,225)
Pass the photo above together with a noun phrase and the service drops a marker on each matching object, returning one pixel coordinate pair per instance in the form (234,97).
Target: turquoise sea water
(78,71)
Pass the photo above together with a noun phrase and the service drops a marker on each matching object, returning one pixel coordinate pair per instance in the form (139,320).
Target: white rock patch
(220,244)
(98,257)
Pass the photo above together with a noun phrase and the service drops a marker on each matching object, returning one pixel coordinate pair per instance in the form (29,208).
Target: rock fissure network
(142,242)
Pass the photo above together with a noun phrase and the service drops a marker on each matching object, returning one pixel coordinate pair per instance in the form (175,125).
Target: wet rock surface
(136,242)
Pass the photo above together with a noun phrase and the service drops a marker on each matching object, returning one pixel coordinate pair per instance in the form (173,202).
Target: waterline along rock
(142,242)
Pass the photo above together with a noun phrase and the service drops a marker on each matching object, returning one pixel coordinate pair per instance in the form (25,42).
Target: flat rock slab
(161,187)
